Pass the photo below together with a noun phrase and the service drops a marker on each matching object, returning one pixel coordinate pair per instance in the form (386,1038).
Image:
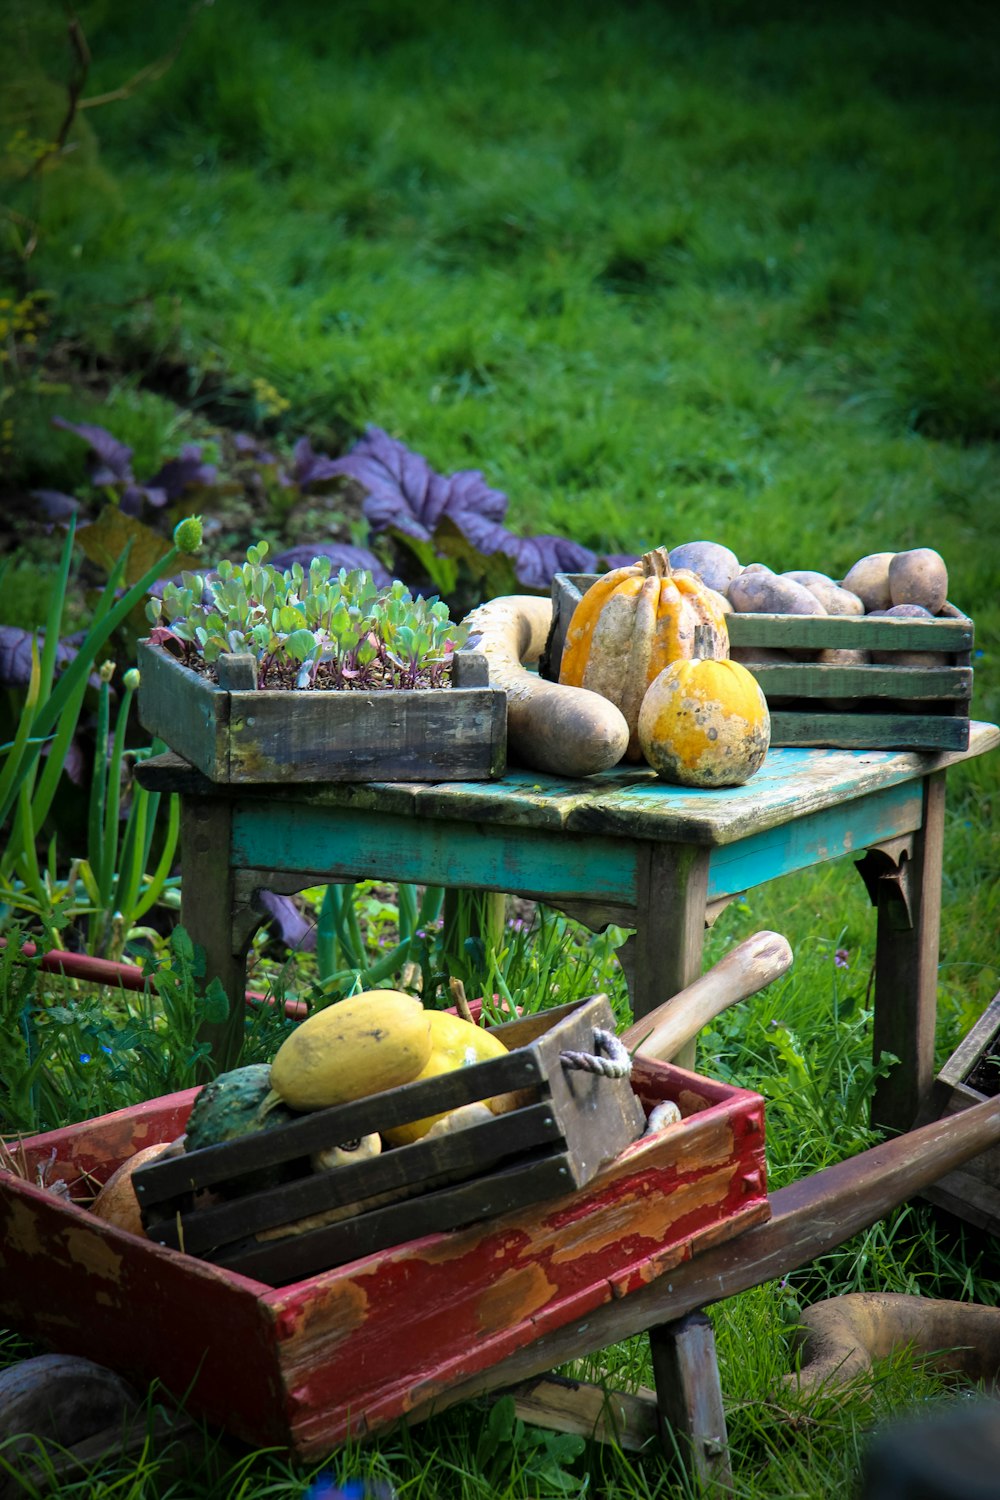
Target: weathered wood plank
(327,844)
(630,1420)
(474,1151)
(971,1192)
(689,1397)
(906,971)
(954,633)
(815,838)
(348,843)
(237,672)
(871,731)
(450,1208)
(195,710)
(208,883)
(797,680)
(979,1043)
(665,950)
(851,632)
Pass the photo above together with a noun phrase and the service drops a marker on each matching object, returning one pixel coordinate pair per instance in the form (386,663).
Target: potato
(869,579)
(758,591)
(908,658)
(759,656)
(904,612)
(715,565)
(919,577)
(843,656)
(835,599)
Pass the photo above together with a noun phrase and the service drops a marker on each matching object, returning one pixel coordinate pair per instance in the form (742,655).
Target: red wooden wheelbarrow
(678,1220)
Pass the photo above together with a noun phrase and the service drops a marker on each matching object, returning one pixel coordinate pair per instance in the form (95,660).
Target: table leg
(665,952)
(207,907)
(689,1397)
(906,968)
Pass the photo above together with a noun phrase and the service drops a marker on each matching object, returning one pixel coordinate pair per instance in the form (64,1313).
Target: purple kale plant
(109,465)
(406,497)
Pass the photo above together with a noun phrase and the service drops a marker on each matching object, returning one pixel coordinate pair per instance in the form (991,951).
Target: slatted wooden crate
(568,1124)
(971,1074)
(351,1351)
(456,733)
(882,705)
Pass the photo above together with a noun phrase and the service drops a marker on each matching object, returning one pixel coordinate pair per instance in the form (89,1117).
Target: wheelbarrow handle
(747,968)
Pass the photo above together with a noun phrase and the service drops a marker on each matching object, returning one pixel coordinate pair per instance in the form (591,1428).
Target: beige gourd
(567,731)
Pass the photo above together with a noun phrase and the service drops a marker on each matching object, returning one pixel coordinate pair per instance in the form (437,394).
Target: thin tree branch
(152,71)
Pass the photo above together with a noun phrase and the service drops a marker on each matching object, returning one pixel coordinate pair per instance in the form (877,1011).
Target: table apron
(850,828)
(339,844)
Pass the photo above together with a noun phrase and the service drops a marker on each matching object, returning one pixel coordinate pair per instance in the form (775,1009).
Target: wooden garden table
(621,848)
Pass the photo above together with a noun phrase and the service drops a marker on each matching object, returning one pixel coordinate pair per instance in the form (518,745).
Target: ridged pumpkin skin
(455,1043)
(705,723)
(631,624)
(230,1106)
(355,1047)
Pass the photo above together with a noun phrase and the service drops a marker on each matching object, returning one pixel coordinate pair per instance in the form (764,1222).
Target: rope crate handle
(616,1062)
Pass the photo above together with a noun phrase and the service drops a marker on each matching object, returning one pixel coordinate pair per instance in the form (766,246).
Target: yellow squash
(360,1046)
(455,1043)
(704,722)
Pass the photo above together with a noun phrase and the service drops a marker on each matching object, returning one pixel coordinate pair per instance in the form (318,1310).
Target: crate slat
(429,1163)
(454,1207)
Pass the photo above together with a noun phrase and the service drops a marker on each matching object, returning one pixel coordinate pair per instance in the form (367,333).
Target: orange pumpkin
(705,722)
(631,624)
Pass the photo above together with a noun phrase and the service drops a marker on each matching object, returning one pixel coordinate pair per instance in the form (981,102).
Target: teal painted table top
(630,802)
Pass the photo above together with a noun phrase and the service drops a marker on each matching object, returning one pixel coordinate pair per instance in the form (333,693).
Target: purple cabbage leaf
(294,930)
(403,491)
(460,515)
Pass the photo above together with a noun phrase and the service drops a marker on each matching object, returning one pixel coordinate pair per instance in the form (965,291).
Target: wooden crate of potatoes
(848,682)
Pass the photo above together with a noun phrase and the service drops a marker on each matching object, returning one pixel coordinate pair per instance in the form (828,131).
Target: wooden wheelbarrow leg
(808,1218)
(692,1418)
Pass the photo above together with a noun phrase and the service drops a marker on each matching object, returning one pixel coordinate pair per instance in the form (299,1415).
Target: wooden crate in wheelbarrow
(258,1205)
(341,1351)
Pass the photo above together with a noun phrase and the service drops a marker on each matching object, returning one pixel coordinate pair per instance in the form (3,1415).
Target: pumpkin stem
(656,564)
(704,648)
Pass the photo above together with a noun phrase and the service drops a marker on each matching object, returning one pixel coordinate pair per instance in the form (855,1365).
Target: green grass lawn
(662,272)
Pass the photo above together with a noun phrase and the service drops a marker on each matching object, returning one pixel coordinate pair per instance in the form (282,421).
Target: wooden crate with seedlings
(256,1205)
(893,700)
(969,1077)
(239,733)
